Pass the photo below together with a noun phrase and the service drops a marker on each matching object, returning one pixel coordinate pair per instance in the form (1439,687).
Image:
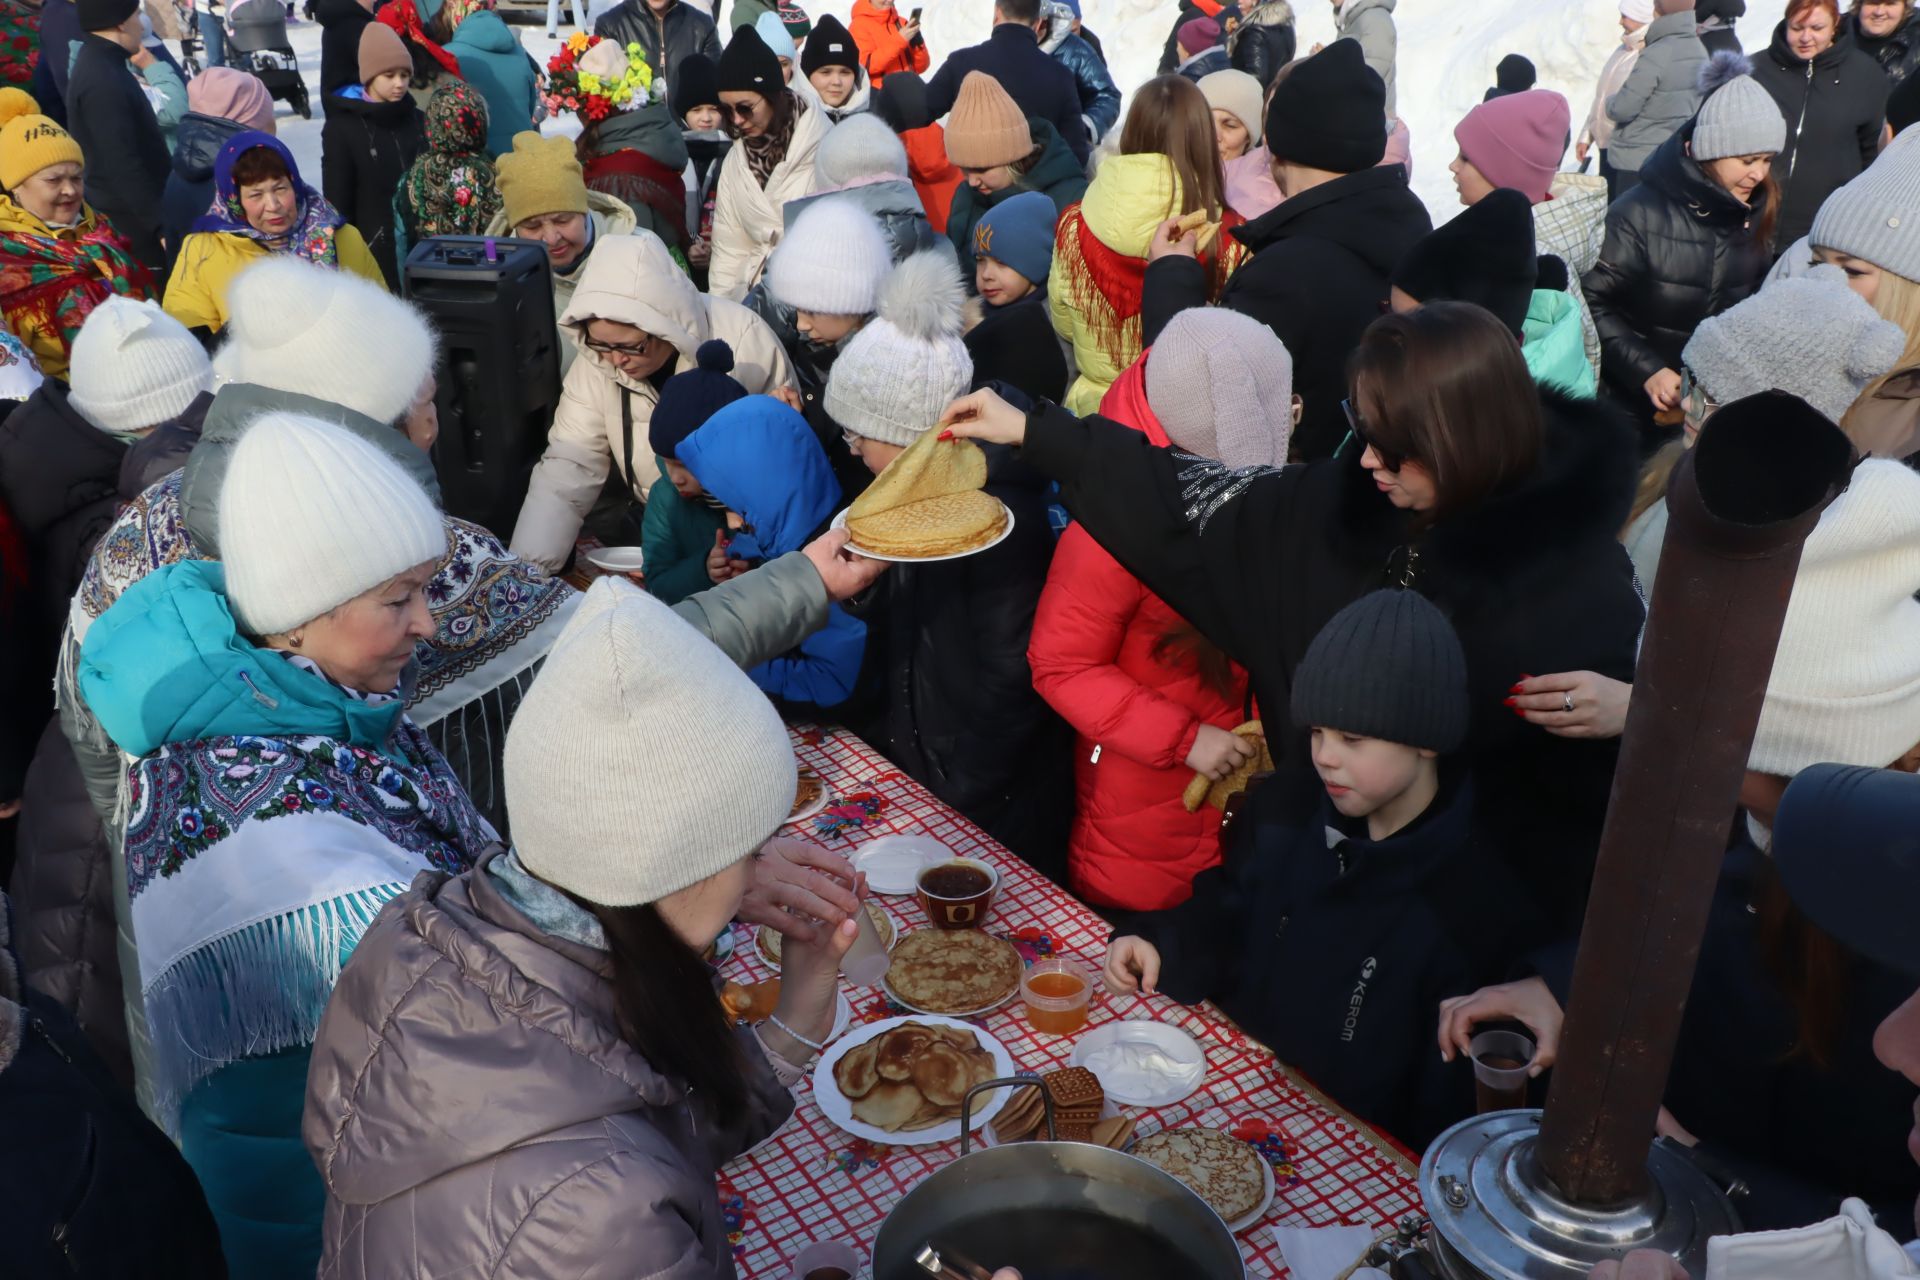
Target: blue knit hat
(688,399)
(1019,232)
(770,30)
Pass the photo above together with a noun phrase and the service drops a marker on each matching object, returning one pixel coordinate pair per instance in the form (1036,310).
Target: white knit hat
(1240,96)
(860,146)
(1221,384)
(642,760)
(1876,217)
(1638,10)
(833,260)
(896,377)
(311,516)
(134,366)
(294,326)
(1810,335)
(1846,679)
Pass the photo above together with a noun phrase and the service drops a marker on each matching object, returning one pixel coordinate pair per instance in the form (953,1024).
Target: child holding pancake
(959,713)
(1363,896)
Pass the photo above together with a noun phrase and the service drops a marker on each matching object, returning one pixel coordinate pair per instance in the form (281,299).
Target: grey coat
(1660,94)
(474,1111)
(1371,23)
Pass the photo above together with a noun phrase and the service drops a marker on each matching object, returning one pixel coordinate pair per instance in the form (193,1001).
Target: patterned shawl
(404,18)
(312,234)
(452,189)
(51,282)
(765,152)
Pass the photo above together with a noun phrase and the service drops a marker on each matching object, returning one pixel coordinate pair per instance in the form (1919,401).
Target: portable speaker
(491,300)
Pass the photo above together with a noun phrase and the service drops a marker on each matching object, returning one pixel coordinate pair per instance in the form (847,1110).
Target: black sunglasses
(1390,459)
(740,110)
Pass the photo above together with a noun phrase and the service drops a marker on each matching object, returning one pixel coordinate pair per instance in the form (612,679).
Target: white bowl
(617,559)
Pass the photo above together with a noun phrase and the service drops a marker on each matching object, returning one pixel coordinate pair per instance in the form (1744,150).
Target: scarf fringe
(1104,288)
(257,990)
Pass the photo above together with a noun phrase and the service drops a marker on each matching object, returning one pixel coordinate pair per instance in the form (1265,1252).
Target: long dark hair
(1447,387)
(1811,970)
(663,993)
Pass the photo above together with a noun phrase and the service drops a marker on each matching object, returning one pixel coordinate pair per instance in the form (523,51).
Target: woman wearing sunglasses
(1499,500)
(638,320)
(777,133)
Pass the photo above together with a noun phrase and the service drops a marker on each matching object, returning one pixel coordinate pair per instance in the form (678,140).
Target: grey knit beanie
(1876,217)
(1810,336)
(1387,666)
(896,376)
(1738,117)
(1221,384)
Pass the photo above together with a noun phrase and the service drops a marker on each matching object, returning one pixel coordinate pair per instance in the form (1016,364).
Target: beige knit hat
(1845,686)
(986,129)
(642,760)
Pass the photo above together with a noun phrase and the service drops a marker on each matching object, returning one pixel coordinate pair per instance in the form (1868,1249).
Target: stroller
(257,42)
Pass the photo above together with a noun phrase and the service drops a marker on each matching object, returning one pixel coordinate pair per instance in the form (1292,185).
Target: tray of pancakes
(900,1081)
(767,941)
(927,505)
(809,796)
(1204,790)
(955,972)
(1227,1173)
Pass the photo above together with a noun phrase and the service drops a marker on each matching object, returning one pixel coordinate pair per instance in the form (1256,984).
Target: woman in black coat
(1498,500)
(1834,98)
(1680,247)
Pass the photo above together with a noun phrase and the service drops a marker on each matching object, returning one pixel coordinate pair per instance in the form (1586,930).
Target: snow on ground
(1448,50)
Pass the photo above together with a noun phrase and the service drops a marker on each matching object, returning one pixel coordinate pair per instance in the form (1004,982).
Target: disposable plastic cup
(1056,993)
(867,960)
(826,1260)
(1500,1076)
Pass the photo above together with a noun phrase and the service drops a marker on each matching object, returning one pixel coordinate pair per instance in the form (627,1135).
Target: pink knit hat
(228,94)
(1518,140)
(1197,34)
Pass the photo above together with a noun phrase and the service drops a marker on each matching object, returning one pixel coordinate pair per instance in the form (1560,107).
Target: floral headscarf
(312,234)
(451,188)
(404,18)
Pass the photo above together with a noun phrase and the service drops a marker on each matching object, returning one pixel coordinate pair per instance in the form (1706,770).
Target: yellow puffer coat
(1125,203)
(209,260)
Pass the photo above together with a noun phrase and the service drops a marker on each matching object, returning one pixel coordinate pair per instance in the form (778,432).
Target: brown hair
(1180,645)
(1446,386)
(1807,966)
(1795,8)
(1170,117)
(258,164)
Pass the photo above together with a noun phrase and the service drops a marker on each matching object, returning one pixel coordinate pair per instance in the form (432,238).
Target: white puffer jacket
(746,218)
(634,280)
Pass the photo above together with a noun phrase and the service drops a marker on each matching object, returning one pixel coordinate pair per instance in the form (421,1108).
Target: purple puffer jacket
(474,1112)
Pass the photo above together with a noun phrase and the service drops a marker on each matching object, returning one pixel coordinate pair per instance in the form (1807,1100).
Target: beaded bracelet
(814,1045)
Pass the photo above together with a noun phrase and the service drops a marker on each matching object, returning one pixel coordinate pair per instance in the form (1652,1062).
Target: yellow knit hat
(30,143)
(540,175)
(986,129)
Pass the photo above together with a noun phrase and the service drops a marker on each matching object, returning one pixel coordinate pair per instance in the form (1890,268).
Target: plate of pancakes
(957,973)
(1233,1178)
(928,504)
(900,1081)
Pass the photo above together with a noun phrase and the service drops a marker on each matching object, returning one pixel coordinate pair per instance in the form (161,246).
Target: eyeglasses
(635,349)
(1696,405)
(1390,459)
(853,440)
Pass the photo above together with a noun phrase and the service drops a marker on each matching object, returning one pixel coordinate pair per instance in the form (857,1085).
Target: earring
(293,638)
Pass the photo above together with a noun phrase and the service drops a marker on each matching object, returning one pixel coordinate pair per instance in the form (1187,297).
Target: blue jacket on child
(1335,950)
(763,460)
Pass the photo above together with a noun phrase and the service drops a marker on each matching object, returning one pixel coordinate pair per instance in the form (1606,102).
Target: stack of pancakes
(928,503)
(912,1077)
(1222,1170)
(953,971)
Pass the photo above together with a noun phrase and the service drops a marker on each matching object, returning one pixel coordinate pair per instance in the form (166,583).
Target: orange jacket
(934,176)
(883,50)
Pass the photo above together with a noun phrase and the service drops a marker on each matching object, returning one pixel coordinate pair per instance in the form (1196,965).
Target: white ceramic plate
(617,559)
(1170,1040)
(969,1013)
(834,1105)
(893,863)
(840,522)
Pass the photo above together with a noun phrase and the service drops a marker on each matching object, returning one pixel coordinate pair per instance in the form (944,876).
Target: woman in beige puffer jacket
(631,280)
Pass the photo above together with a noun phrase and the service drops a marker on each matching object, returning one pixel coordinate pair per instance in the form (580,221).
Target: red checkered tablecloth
(811,1181)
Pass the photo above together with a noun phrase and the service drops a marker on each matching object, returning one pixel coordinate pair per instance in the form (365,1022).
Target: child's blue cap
(1019,232)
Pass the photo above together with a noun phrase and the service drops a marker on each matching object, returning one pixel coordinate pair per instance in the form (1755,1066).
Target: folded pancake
(940,526)
(930,468)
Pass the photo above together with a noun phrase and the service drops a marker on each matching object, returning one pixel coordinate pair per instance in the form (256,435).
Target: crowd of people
(361,867)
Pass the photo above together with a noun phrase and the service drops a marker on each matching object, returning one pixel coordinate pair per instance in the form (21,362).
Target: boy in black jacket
(1358,897)
(1014,342)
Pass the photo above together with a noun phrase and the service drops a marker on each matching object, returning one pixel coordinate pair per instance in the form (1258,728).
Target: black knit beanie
(748,66)
(1330,112)
(1515,74)
(1387,666)
(688,399)
(697,85)
(105,15)
(902,102)
(830,45)
(1484,256)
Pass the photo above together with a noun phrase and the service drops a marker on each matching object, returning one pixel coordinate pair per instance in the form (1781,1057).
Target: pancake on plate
(769,941)
(928,502)
(1221,1169)
(911,1077)
(953,970)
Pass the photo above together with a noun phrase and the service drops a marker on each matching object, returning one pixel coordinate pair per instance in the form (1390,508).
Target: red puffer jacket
(1134,845)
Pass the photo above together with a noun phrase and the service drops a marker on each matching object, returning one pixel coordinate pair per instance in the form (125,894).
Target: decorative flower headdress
(593,77)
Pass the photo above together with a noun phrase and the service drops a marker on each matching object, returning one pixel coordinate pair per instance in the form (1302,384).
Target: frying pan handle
(966,1105)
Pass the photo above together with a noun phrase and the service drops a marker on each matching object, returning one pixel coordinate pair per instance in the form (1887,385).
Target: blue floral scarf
(313,231)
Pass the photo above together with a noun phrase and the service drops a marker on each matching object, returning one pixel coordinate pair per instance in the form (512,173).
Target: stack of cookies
(1078,1101)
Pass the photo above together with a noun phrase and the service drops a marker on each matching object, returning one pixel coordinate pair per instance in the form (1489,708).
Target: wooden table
(813,1182)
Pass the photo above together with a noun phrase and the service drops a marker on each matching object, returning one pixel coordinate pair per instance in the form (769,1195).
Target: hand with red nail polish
(986,417)
(1573,704)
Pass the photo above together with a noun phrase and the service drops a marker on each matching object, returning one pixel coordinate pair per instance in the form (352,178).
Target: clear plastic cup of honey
(1056,993)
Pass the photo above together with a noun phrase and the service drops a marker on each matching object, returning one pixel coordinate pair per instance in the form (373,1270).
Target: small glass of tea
(1056,993)
(826,1260)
